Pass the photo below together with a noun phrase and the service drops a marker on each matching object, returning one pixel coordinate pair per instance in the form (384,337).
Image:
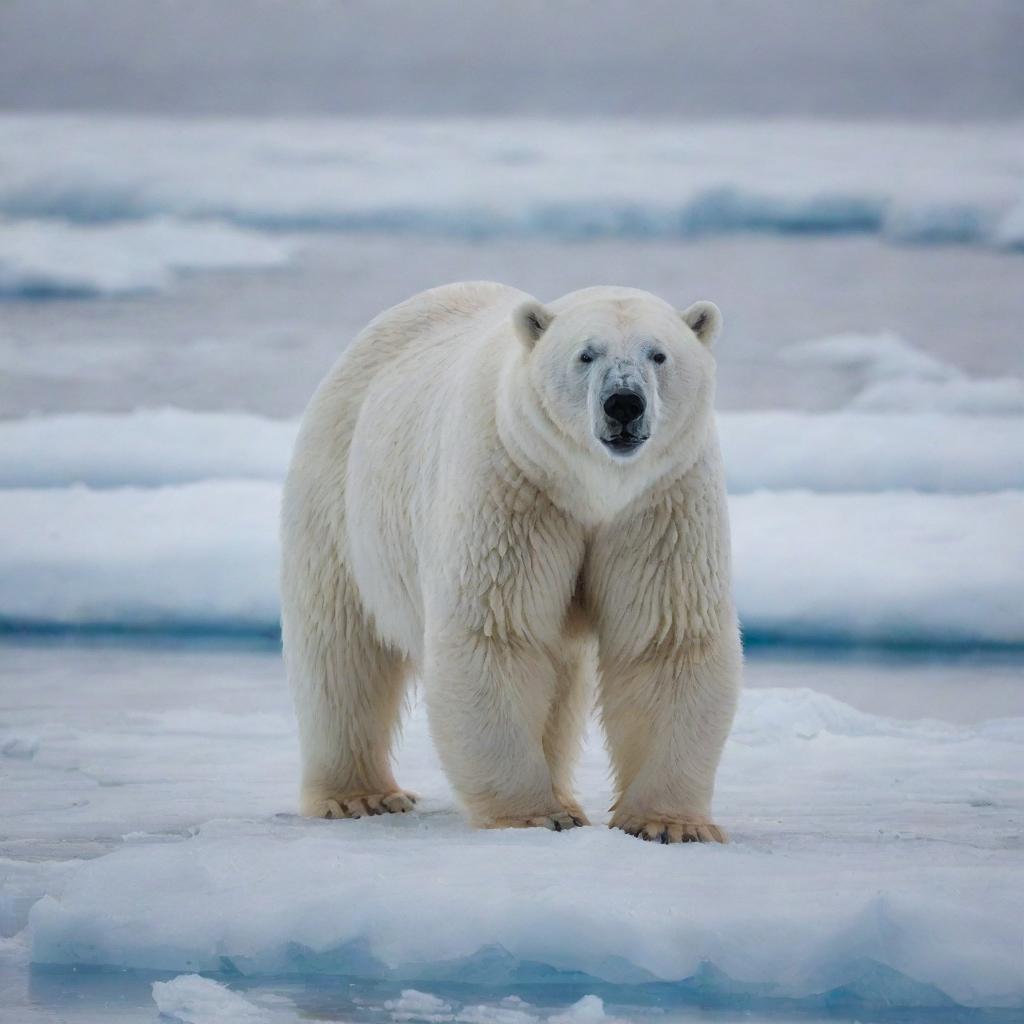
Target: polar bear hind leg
(349,690)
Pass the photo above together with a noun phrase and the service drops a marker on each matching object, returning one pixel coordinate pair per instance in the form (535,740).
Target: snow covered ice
(158,813)
(191,999)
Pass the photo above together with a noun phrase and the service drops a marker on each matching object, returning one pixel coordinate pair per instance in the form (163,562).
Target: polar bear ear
(705,320)
(531,320)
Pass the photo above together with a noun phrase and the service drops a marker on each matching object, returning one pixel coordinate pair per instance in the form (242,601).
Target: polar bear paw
(664,830)
(559,821)
(360,805)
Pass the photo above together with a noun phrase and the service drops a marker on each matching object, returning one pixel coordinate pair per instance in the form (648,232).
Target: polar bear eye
(658,357)
(586,356)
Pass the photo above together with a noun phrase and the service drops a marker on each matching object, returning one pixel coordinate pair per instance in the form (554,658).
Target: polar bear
(512,500)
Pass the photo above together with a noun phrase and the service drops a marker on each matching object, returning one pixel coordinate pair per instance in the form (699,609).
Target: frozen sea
(149,829)
(170,293)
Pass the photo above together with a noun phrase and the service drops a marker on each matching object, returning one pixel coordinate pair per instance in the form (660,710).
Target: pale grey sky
(947,59)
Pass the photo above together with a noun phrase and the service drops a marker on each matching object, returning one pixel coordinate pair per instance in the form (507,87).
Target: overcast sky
(947,59)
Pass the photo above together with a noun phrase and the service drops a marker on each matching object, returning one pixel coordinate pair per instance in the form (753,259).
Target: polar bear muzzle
(625,423)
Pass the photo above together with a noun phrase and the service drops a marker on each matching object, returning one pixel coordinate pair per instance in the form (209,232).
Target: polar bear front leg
(667,716)
(658,581)
(576,670)
(489,702)
(500,698)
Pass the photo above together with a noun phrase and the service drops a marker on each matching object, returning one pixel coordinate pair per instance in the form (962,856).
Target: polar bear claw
(359,805)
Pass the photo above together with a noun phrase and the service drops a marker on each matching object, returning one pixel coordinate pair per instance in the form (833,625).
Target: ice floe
(47,259)
(937,184)
(897,377)
(861,846)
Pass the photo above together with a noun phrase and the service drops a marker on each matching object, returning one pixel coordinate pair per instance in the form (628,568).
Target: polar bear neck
(583,482)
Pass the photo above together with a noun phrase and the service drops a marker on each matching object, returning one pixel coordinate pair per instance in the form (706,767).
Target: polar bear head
(620,375)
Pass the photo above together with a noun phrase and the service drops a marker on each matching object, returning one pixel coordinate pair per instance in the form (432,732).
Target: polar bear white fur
(512,500)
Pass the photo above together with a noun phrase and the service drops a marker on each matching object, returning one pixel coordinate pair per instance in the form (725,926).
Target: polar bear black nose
(624,406)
